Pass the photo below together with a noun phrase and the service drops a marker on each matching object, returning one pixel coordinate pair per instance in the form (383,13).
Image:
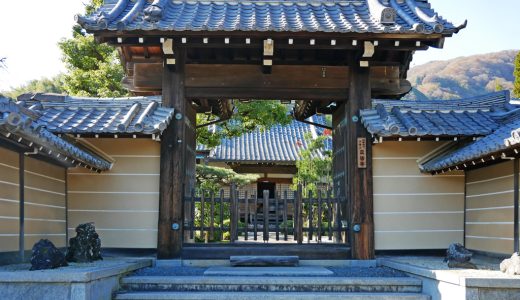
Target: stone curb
(64,275)
(451,277)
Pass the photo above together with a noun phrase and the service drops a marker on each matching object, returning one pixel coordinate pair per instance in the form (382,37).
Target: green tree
(93,69)
(43,85)
(212,179)
(247,117)
(314,171)
(498,85)
(516,86)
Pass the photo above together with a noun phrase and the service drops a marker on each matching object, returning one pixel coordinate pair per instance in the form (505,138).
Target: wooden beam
(172,172)
(359,180)
(217,81)
(259,168)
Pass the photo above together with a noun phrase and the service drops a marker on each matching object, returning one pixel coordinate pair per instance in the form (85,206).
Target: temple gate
(332,57)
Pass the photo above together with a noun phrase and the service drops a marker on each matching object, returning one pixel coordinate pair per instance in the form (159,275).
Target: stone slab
(263,261)
(265,280)
(268,271)
(270,296)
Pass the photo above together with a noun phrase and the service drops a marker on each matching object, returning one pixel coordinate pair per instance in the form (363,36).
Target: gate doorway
(230,223)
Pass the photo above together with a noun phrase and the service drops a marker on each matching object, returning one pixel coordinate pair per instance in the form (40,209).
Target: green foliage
(498,86)
(44,85)
(212,179)
(247,117)
(516,85)
(92,69)
(314,171)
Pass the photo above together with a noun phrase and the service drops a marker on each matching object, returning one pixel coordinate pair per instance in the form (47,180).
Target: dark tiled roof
(478,116)
(278,144)
(22,125)
(504,138)
(79,115)
(358,16)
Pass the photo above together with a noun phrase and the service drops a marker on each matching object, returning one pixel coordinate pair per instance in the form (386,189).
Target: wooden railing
(211,218)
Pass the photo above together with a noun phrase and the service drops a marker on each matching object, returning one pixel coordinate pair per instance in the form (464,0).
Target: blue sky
(30,30)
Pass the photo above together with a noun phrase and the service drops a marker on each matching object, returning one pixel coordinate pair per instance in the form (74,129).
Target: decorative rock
(511,266)
(459,257)
(86,245)
(46,256)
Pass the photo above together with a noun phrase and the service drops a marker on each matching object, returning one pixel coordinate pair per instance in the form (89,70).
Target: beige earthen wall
(123,202)
(414,210)
(45,207)
(9,201)
(490,208)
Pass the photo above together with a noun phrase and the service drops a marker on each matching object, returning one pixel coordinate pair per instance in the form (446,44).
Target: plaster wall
(9,200)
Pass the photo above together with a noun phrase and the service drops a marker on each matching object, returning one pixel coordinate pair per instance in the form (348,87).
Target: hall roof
(497,146)
(23,127)
(472,117)
(339,16)
(279,144)
(84,115)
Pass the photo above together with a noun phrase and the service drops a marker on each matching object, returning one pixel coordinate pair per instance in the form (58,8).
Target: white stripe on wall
(9,183)
(489,180)
(490,194)
(417,212)
(44,220)
(490,208)
(415,176)
(489,237)
(9,234)
(113,211)
(9,200)
(112,192)
(9,166)
(44,205)
(44,191)
(422,230)
(419,194)
(490,223)
(8,218)
(45,176)
(44,234)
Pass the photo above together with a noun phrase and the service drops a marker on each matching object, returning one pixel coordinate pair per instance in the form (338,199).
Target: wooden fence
(213,218)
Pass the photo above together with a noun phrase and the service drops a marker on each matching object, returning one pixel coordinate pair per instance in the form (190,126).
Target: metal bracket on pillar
(267,61)
(169,54)
(368,52)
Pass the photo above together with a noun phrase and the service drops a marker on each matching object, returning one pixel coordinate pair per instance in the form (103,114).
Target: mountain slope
(463,77)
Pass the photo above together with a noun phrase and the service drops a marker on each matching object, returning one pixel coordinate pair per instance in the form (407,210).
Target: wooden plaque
(362,153)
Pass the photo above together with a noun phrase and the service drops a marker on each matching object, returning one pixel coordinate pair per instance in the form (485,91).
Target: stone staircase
(307,282)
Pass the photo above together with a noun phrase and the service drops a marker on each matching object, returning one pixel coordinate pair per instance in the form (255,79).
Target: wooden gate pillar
(359,165)
(353,164)
(173,160)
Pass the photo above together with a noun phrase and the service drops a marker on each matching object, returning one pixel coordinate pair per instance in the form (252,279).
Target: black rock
(86,245)
(46,256)
(459,257)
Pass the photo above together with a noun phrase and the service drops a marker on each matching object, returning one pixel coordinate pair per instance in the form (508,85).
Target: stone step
(269,295)
(263,260)
(272,284)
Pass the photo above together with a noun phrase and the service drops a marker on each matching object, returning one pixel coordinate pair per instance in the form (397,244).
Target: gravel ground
(72,267)
(338,271)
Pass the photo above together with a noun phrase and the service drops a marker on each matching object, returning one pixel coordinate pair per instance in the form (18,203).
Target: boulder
(459,257)
(86,245)
(46,256)
(511,266)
